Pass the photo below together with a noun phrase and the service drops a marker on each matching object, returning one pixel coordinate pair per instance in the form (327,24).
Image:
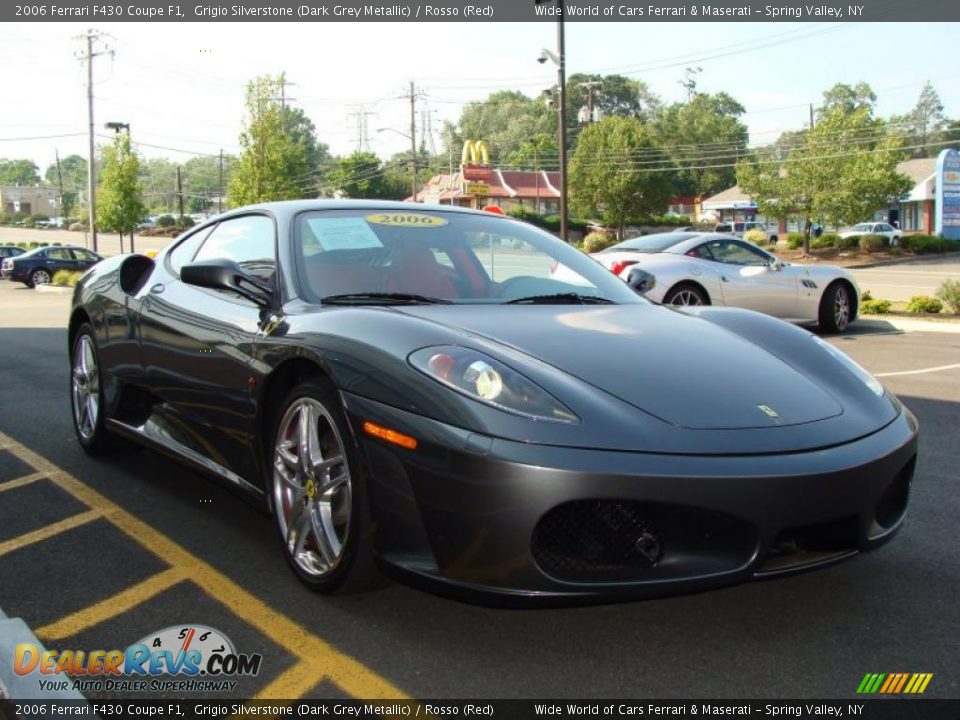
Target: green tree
(273,165)
(73,170)
(843,172)
(362,175)
(924,126)
(506,120)
(704,137)
(18,172)
(539,153)
(303,132)
(158,177)
(605,178)
(120,195)
(847,99)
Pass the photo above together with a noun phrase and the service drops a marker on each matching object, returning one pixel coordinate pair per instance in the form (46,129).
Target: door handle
(157,289)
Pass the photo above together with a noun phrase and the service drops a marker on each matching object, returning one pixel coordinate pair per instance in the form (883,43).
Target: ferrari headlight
(482,378)
(869,380)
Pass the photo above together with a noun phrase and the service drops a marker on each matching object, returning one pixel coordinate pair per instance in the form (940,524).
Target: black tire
(832,316)
(686,294)
(354,569)
(93,436)
(40,276)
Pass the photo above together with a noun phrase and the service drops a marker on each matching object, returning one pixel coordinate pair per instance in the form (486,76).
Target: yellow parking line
(49,531)
(294,682)
(105,609)
(349,674)
(21,481)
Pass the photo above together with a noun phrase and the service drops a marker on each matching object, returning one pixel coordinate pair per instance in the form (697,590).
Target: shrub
(872,243)
(924,304)
(875,307)
(756,236)
(794,240)
(547,222)
(5,218)
(187,222)
(77,227)
(166,221)
(847,243)
(949,292)
(866,295)
(597,241)
(828,240)
(66,278)
(921,244)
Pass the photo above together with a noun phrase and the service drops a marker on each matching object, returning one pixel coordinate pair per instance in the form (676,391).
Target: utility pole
(56,153)
(590,85)
(220,195)
(88,55)
(811,116)
(180,194)
(413,143)
(562,81)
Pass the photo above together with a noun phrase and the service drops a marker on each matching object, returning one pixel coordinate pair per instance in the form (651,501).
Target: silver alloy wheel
(686,297)
(312,492)
(841,308)
(85,383)
(40,277)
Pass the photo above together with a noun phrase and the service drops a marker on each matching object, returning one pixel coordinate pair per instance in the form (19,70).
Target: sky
(180,86)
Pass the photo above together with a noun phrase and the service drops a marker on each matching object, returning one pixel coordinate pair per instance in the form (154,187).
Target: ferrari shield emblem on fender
(769,411)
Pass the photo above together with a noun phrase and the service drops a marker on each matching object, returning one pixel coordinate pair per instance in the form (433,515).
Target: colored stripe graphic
(894,683)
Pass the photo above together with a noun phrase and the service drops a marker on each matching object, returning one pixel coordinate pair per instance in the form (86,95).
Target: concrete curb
(904,261)
(54,289)
(885,323)
(13,632)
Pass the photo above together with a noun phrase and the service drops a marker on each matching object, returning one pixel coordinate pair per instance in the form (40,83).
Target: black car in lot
(406,386)
(7,252)
(38,266)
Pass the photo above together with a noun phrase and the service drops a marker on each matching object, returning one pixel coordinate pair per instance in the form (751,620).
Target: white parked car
(740,228)
(892,234)
(715,269)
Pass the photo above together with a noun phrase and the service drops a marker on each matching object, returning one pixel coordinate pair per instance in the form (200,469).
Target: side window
(701,251)
(184,252)
(248,241)
(84,255)
(737,254)
(59,254)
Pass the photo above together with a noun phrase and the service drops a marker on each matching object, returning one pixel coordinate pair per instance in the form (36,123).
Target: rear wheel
(836,308)
(686,294)
(318,494)
(40,276)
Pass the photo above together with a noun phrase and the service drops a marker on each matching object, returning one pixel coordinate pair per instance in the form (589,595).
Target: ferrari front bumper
(502,521)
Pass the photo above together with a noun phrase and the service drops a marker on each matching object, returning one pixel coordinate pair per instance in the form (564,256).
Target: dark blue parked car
(37,267)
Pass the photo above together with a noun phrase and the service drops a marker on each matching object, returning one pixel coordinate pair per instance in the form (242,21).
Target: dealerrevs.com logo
(182,658)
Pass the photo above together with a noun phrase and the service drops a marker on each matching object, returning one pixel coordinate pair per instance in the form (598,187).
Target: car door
(748,280)
(58,258)
(83,259)
(197,344)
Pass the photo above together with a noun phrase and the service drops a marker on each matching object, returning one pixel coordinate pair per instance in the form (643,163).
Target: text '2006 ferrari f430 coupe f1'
(410,388)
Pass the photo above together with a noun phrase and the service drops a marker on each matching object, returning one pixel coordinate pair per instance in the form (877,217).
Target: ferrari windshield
(369,256)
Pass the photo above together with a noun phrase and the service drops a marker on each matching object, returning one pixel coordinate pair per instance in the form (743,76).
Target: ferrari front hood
(683,370)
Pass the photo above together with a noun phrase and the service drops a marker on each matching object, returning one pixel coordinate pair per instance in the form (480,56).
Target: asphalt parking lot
(100,553)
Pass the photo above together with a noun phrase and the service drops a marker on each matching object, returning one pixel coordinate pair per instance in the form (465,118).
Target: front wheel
(835,308)
(686,294)
(318,494)
(86,394)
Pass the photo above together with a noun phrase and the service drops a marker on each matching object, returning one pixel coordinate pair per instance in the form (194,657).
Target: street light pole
(562,82)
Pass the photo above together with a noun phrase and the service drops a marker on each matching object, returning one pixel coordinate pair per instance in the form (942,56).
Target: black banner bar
(899,708)
(107,11)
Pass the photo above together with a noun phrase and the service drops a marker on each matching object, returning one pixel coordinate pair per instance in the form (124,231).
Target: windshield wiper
(561,299)
(381,298)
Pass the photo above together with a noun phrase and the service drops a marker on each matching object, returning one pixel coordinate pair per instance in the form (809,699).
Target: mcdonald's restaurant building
(479,183)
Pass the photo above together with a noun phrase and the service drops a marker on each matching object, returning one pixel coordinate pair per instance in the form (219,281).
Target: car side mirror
(776,264)
(223,274)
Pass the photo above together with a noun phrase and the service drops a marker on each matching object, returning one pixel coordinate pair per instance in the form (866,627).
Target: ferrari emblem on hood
(769,411)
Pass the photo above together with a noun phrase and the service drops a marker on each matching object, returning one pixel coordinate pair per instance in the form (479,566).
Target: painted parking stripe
(21,481)
(102,611)
(919,372)
(317,659)
(49,531)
